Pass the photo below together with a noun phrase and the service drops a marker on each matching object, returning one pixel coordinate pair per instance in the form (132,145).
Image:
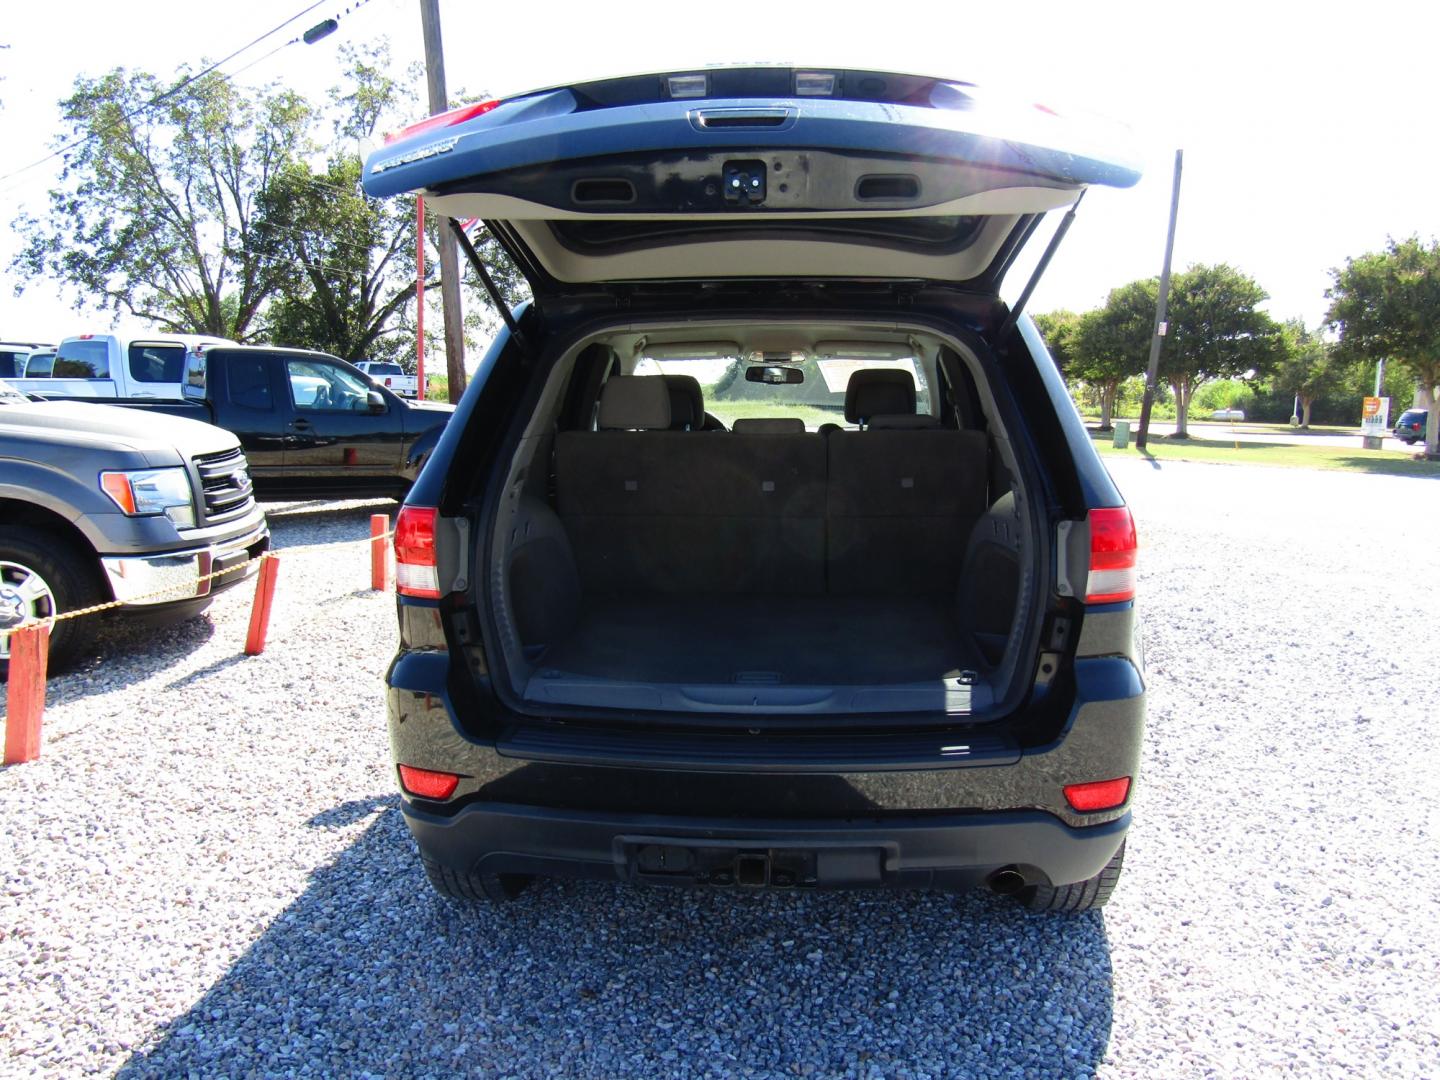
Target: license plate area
(668,861)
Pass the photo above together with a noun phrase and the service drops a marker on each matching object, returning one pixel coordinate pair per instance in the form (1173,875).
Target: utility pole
(449,258)
(1152,372)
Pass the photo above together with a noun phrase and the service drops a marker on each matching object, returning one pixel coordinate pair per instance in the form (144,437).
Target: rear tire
(40,576)
(488,888)
(1082,896)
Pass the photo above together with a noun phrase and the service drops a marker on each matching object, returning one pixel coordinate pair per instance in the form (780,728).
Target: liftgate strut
(489,283)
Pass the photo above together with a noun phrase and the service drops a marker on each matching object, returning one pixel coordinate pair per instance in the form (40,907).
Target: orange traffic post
(379,527)
(29,653)
(264,598)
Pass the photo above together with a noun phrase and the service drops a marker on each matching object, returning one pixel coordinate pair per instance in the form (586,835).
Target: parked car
(392,377)
(37,363)
(1410,428)
(310,424)
(881,634)
(104,366)
(1228,414)
(99,504)
(12,357)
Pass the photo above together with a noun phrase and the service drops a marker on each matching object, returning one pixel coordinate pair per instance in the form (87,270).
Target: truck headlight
(152,491)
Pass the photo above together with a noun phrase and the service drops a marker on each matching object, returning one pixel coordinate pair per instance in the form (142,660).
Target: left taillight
(1113,549)
(445,119)
(416,570)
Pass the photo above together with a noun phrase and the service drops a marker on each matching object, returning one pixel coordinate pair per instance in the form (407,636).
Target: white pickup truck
(113,366)
(390,376)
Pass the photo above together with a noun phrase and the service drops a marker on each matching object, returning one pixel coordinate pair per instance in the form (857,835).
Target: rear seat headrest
(878,392)
(769,425)
(903,420)
(687,402)
(635,402)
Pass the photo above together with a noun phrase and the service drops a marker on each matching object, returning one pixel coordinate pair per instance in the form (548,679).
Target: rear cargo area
(765,641)
(767,566)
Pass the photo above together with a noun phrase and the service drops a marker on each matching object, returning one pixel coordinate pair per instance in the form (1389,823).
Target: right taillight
(1112,556)
(416,571)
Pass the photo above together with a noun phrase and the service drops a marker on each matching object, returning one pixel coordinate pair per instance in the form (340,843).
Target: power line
(158,98)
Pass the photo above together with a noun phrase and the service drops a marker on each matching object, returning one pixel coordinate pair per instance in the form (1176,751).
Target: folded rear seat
(650,510)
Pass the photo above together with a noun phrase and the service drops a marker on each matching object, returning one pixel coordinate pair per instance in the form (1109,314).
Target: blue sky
(1306,130)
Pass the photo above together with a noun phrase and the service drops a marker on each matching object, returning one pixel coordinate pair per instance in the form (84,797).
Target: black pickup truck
(100,504)
(310,424)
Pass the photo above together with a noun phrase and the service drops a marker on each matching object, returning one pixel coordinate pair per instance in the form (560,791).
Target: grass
(1229,425)
(1229,452)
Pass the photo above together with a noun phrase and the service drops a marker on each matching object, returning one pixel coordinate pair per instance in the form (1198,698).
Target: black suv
(766,547)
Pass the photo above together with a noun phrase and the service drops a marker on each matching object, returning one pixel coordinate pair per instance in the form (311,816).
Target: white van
(115,366)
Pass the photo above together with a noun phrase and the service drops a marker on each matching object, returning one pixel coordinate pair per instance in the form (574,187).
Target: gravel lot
(206,872)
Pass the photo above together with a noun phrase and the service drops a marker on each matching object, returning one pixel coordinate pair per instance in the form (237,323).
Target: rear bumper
(929,851)
(180,576)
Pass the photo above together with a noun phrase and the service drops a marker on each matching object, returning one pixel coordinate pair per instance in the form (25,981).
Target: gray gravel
(206,872)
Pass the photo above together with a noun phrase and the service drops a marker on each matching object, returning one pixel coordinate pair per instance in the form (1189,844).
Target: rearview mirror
(774,374)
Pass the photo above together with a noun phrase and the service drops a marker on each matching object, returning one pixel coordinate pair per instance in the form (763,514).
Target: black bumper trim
(953,850)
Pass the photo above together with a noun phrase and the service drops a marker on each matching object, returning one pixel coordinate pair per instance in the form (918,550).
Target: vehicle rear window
(384,369)
(82,360)
(9,363)
(249,382)
(156,363)
(38,365)
(818,399)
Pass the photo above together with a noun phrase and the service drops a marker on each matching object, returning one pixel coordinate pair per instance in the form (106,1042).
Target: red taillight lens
(1098,795)
(1112,556)
(416,573)
(445,119)
(427,783)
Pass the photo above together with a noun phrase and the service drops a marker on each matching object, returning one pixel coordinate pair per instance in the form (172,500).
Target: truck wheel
(1082,896)
(495,888)
(40,577)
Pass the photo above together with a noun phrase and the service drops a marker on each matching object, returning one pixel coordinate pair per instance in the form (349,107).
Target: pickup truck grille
(225,482)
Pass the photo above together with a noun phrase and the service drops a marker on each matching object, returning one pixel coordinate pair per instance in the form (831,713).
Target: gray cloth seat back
(900,506)
(662,512)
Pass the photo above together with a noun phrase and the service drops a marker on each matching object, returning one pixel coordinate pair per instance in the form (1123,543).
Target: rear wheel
(494,888)
(1081,896)
(41,577)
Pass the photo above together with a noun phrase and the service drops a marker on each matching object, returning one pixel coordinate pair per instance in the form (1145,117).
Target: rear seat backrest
(903,495)
(657,511)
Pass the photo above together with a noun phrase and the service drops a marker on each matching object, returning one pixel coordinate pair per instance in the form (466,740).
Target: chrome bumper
(182,575)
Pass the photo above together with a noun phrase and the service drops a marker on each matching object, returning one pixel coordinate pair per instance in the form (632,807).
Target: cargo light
(814,84)
(428,783)
(416,571)
(1098,794)
(1113,547)
(687,86)
(445,119)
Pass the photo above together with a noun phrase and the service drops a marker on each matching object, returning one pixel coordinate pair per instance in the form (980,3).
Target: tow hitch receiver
(660,863)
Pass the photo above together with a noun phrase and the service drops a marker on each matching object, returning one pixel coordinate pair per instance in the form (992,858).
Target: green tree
(1112,342)
(352,284)
(1058,329)
(158,202)
(1307,367)
(1216,331)
(1387,304)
